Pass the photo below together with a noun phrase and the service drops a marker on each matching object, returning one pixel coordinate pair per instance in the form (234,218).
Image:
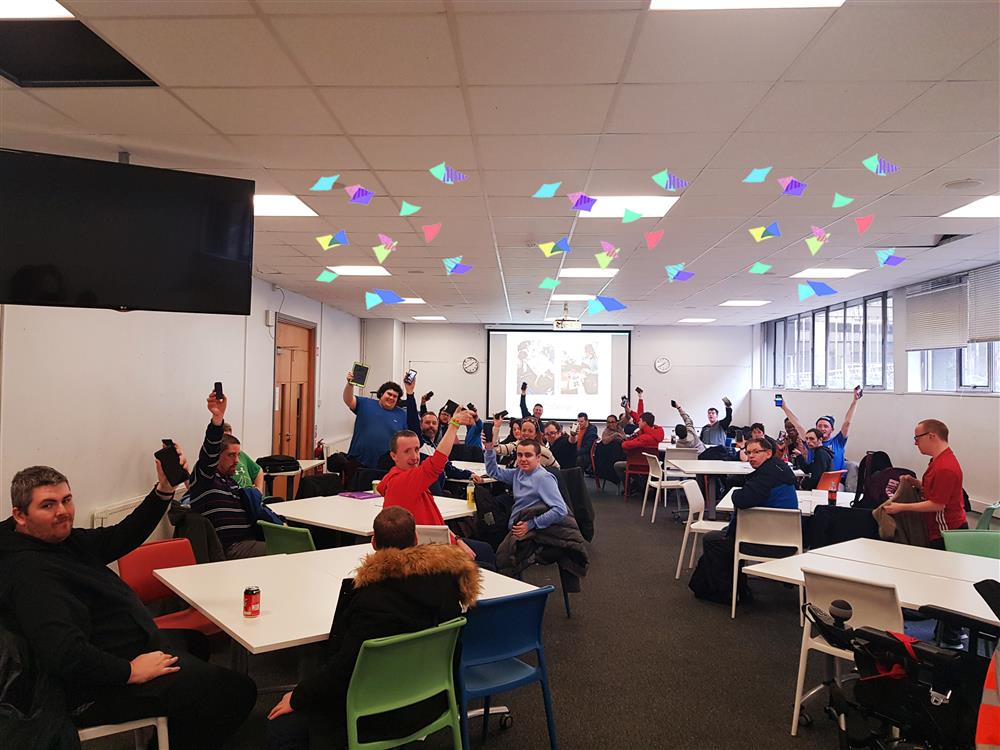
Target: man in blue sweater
(532,485)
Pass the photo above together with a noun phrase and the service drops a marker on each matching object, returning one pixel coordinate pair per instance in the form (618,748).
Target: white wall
(91,392)
(436,351)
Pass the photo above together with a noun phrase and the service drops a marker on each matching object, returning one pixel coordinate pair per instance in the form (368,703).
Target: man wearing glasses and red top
(941,486)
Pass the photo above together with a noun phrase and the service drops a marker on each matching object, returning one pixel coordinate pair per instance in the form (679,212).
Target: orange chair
(635,463)
(830,480)
(136,569)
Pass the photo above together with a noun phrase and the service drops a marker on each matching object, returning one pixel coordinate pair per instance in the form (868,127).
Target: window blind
(937,319)
(984,304)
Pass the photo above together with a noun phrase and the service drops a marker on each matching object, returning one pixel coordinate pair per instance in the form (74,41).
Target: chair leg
(645,495)
(463,721)
(680,557)
(486,717)
(802,604)
(694,549)
(549,717)
(566,602)
(800,681)
(656,501)
(627,475)
(736,580)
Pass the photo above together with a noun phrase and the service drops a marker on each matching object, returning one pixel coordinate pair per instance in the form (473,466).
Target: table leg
(710,485)
(290,486)
(269,485)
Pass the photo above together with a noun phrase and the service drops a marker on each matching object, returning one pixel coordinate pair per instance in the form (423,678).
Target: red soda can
(251,601)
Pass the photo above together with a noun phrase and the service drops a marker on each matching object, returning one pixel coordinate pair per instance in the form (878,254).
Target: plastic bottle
(470,496)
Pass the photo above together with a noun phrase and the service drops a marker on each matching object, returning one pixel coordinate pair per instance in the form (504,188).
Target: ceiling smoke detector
(967,184)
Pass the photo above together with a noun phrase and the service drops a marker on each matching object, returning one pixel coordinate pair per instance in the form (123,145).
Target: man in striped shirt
(215,494)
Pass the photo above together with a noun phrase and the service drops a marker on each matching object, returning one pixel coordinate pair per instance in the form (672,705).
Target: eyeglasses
(916,438)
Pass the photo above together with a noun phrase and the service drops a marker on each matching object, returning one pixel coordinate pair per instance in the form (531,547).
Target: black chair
(462,452)
(831,524)
(605,456)
(578,500)
(363,478)
(322,485)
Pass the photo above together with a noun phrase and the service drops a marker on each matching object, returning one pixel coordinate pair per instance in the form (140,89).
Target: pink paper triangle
(653,238)
(863,222)
(430,231)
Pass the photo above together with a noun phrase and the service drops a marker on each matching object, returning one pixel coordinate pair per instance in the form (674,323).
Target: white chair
(694,525)
(433,535)
(660,482)
(104,730)
(778,527)
(874,605)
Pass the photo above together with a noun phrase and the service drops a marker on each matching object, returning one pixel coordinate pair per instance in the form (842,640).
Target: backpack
(277,463)
(492,514)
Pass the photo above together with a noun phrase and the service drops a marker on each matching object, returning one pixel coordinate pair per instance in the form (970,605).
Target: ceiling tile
(654,152)
(417,152)
(796,150)
(129,110)
(313,8)
(952,107)
(983,67)
(153,8)
(19,108)
(324,153)
(421,182)
(416,110)
(512,48)
(537,152)
(254,111)
(202,52)
(684,107)
(366,50)
(912,149)
(540,109)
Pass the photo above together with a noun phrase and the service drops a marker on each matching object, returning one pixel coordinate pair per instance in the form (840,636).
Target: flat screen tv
(84,233)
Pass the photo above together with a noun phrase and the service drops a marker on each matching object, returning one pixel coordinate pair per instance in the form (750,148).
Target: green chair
(987,516)
(286,540)
(973,542)
(399,671)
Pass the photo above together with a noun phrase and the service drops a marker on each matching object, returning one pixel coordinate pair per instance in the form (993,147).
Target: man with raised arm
(378,419)
(825,424)
(536,410)
(714,433)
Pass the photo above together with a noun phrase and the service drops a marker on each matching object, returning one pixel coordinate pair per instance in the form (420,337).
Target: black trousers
(204,703)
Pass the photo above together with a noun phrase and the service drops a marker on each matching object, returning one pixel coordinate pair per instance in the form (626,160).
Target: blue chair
(496,633)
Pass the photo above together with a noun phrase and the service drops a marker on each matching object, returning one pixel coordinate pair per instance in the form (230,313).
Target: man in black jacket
(400,588)
(89,630)
(560,445)
(821,463)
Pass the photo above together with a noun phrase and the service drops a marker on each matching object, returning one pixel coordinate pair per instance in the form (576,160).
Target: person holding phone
(377,420)
(248,472)
(686,435)
(536,410)
(714,433)
(826,425)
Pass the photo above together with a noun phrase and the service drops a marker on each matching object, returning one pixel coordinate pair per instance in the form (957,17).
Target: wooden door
(294,389)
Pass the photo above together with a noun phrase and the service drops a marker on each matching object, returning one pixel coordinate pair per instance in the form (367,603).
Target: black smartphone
(624,402)
(471,407)
(428,396)
(359,374)
(488,432)
(777,399)
(450,407)
(781,436)
(219,395)
(524,385)
(501,414)
(410,376)
(673,403)
(171,463)
(859,390)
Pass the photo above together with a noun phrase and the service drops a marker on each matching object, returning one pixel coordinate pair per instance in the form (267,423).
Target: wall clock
(662,365)
(470,365)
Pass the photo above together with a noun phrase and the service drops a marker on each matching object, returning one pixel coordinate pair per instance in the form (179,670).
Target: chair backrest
(321,485)
(851,473)
(776,526)
(874,605)
(433,535)
(136,568)
(829,480)
(402,669)
(696,501)
(579,500)
(636,461)
(503,628)
(281,540)
(987,516)
(655,470)
(363,478)
(980,542)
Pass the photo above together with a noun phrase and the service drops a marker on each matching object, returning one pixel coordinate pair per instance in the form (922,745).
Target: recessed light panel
(426,318)
(696,320)
(984,208)
(828,273)
(33,9)
(360,270)
(614,206)
(280,205)
(745,302)
(741,4)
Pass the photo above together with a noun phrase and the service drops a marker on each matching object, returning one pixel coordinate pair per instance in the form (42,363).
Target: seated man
(90,632)
(559,444)
(377,421)
(686,435)
(757,432)
(647,440)
(427,428)
(248,473)
(400,588)
(612,430)
(825,424)
(714,433)
(233,512)
(822,460)
(585,435)
(770,485)
(409,481)
(529,431)
(541,526)
(536,410)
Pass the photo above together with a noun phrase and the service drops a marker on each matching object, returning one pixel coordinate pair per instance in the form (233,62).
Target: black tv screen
(84,233)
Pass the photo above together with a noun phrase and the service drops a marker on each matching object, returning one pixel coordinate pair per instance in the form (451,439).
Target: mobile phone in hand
(624,402)
(171,463)
(524,385)
(487,432)
(859,391)
(410,376)
(673,403)
(219,395)
(359,374)
(501,414)
(778,400)
(450,407)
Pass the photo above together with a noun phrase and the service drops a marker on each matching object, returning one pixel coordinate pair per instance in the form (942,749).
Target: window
(803,352)
(890,366)
(835,349)
(768,352)
(854,331)
(975,365)
(873,342)
(819,348)
(996,367)
(779,352)
(791,373)
(942,369)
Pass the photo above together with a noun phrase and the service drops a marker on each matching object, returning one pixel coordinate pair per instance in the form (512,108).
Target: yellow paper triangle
(758,233)
(815,244)
(603,259)
(381,252)
(547,247)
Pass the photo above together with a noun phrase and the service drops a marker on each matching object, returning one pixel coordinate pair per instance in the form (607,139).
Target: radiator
(109,515)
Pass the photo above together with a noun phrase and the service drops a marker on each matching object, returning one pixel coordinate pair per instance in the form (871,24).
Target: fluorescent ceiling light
(412,301)
(11,9)
(984,208)
(613,206)
(587,273)
(280,205)
(429,317)
(741,4)
(696,320)
(572,297)
(360,270)
(828,273)
(744,302)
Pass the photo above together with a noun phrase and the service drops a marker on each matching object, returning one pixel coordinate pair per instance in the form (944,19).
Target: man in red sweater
(646,440)
(408,482)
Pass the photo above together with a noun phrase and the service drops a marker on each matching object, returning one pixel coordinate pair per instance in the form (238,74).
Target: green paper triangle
(408,209)
(759,267)
(438,171)
(372,299)
(839,201)
(326,276)
(603,259)
(660,178)
(549,283)
(814,244)
(871,163)
(629,216)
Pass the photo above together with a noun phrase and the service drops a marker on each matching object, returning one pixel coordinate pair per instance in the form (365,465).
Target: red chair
(635,463)
(136,569)
(830,480)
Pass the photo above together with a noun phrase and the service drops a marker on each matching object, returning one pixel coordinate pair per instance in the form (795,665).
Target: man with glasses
(771,484)
(826,424)
(822,460)
(560,445)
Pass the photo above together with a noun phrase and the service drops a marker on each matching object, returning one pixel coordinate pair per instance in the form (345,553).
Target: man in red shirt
(941,486)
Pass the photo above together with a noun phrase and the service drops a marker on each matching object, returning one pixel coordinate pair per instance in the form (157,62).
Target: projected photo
(536,366)
(579,373)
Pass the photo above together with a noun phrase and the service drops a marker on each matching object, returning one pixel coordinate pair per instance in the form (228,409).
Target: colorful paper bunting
(609,248)
(839,201)
(814,244)
(764,233)
(447,175)
(549,283)
(388,241)
(683,276)
(359,194)
(757,174)
(653,238)
(387,296)
(408,209)
(673,270)
(888,257)
(563,245)
(382,252)
(581,201)
(325,183)
(603,304)
(863,222)
(326,276)
(430,231)
(547,190)
(879,166)
(791,186)
(330,241)
(819,233)
(372,299)
(815,289)
(548,249)
(669,181)
(759,267)
(629,216)
(455,266)
(604,259)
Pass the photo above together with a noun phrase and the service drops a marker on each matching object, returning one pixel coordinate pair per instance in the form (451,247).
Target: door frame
(313,329)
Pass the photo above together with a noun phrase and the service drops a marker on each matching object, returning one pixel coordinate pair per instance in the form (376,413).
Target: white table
(473,466)
(913,589)
(305,464)
(936,562)
(355,516)
(717,468)
(677,452)
(808,500)
(298,594)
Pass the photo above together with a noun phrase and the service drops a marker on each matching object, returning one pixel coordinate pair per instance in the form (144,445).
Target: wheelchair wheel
(506,721)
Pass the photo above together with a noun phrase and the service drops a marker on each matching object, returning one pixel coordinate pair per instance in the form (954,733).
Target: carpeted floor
(642,663)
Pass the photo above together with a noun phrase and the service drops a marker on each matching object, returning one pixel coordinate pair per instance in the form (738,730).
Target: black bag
(492,514)
(277,463)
